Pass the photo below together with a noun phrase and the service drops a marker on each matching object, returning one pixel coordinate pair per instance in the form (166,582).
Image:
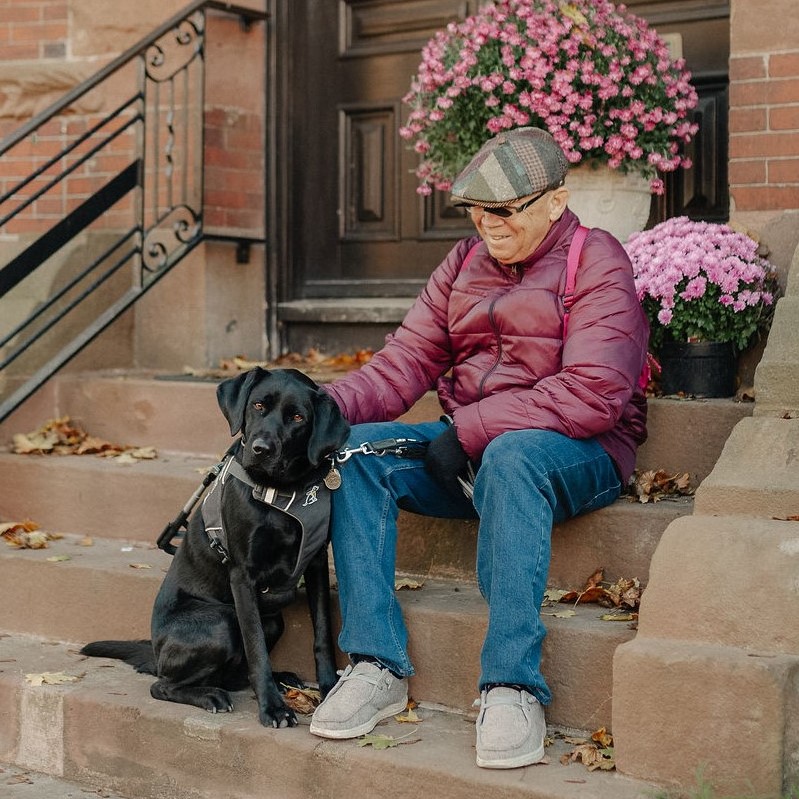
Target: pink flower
(703,281)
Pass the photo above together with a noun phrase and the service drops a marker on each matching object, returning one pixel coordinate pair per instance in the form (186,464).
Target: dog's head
(288,424)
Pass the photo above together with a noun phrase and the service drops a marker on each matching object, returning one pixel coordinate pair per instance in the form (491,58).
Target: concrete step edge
(104,731)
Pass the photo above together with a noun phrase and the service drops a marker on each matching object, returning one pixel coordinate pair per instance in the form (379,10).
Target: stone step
(96,496)
(77,593)
(105,733)
(178,414)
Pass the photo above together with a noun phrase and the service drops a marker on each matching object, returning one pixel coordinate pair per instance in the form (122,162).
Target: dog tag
(333,478)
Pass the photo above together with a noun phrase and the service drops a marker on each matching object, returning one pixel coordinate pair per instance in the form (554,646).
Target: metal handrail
(167,222)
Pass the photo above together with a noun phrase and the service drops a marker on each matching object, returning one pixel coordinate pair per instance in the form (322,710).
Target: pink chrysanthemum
(701,281)
(597,77)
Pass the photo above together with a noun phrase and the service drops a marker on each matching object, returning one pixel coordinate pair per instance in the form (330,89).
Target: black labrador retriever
(262,526)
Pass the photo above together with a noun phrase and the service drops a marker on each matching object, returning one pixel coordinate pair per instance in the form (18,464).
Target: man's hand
(445,459)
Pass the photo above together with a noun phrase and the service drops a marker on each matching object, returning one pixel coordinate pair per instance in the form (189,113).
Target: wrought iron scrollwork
(181,226)
(172,53)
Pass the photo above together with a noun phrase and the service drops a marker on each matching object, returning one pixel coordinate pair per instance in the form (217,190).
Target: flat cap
(513,164)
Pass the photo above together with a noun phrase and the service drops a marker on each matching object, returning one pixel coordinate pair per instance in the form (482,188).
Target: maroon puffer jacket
(489,338)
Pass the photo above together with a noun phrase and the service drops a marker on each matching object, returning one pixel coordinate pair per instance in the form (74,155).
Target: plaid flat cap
(513,164)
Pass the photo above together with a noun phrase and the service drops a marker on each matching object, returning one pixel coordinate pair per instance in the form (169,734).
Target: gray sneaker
(510,729)
(364,695)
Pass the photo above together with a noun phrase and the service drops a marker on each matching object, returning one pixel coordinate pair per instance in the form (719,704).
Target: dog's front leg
(272,710)
(317,586)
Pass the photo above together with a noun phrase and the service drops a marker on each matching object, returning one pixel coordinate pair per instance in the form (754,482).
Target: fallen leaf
(562,614)
(407,583)
(50,678)
(602,737)
(408,717)
(654,485)
(63,437)
(303,700)
(140,566)
(86,541)
(378,741)
(553,595)
(58,558)
(618,617)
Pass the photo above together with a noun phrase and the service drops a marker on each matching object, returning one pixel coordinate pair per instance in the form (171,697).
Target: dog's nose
(262,447)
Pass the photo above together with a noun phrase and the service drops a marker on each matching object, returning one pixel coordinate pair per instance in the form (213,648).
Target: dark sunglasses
(508,210)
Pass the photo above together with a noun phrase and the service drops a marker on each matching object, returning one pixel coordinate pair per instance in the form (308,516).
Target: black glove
(445,460)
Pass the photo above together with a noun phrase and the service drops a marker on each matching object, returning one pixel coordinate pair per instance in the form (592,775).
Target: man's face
(511,239)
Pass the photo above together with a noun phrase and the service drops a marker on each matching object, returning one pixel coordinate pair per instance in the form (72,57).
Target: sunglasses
(507,210)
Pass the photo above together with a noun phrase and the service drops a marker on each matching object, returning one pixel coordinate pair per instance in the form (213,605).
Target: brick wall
(49,46)
(764,130)
(764,106)
(31,29)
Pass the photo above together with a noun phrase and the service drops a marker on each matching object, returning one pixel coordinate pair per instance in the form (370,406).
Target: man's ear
(232,396)
(558,202)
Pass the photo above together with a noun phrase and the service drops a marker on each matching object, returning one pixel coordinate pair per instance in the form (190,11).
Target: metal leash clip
(401,447)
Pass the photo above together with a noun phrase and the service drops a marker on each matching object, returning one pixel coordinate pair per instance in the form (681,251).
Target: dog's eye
(298,417)
(259,406)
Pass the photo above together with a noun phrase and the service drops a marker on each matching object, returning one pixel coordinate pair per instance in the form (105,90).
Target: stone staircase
(105,731)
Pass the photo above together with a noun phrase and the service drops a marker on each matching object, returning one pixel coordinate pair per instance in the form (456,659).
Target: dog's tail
(138,654)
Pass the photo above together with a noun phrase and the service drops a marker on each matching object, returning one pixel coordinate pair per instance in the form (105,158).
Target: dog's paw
(277,717)
(217,701)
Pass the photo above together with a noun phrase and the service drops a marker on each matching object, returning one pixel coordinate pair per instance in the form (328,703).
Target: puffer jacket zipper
(516,273)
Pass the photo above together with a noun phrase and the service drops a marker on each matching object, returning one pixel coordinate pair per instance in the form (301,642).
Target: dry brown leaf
(63,437)
(407,583)
(26,535)
(302,700)
(624,593)
(140,566)
(654,485)
(408,717)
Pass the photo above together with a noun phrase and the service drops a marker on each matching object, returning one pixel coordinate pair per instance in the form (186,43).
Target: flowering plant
(701,281)
(598,78)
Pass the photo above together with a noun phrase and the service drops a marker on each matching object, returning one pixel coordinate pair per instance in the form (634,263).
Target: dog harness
(310,506)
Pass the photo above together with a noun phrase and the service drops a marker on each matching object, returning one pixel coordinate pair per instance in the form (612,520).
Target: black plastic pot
(704,369)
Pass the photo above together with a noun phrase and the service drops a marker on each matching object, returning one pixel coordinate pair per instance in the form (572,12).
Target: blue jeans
(527,481)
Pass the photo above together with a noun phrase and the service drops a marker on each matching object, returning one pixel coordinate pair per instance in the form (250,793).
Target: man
(549,423)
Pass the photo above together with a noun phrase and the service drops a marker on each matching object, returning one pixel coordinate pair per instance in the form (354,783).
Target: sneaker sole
(527,759)
(362,729)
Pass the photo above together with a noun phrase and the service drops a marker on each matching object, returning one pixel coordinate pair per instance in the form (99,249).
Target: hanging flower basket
(597,77)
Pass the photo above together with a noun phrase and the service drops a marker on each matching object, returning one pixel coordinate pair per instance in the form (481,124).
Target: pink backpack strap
(471,252)
(572,262)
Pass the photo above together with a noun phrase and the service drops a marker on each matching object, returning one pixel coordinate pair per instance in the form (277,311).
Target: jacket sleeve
(413,358)
(602,359)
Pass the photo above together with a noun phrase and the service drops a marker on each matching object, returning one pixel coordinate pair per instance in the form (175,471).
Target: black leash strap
(179,524)
(401,447)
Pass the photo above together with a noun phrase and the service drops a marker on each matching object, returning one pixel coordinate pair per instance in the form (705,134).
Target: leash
(401,447)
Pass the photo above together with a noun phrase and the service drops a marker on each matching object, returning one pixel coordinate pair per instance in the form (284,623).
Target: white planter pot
(609,199)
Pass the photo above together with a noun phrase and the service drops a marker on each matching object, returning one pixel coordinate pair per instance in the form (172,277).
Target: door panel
(356,226)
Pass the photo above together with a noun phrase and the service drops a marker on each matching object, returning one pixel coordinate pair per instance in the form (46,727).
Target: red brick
(744,145)
(784,65)
(765,198)
(784,117)
(747,67)
(747,119)
(765,92)
(783,170)
(747,172)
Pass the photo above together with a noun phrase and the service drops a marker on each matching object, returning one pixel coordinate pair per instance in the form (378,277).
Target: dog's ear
(232,396)
(330,428)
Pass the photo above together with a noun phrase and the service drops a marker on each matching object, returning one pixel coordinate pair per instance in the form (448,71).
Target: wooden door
(353,225)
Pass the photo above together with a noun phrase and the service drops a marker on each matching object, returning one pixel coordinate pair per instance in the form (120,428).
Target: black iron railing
(108,203)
